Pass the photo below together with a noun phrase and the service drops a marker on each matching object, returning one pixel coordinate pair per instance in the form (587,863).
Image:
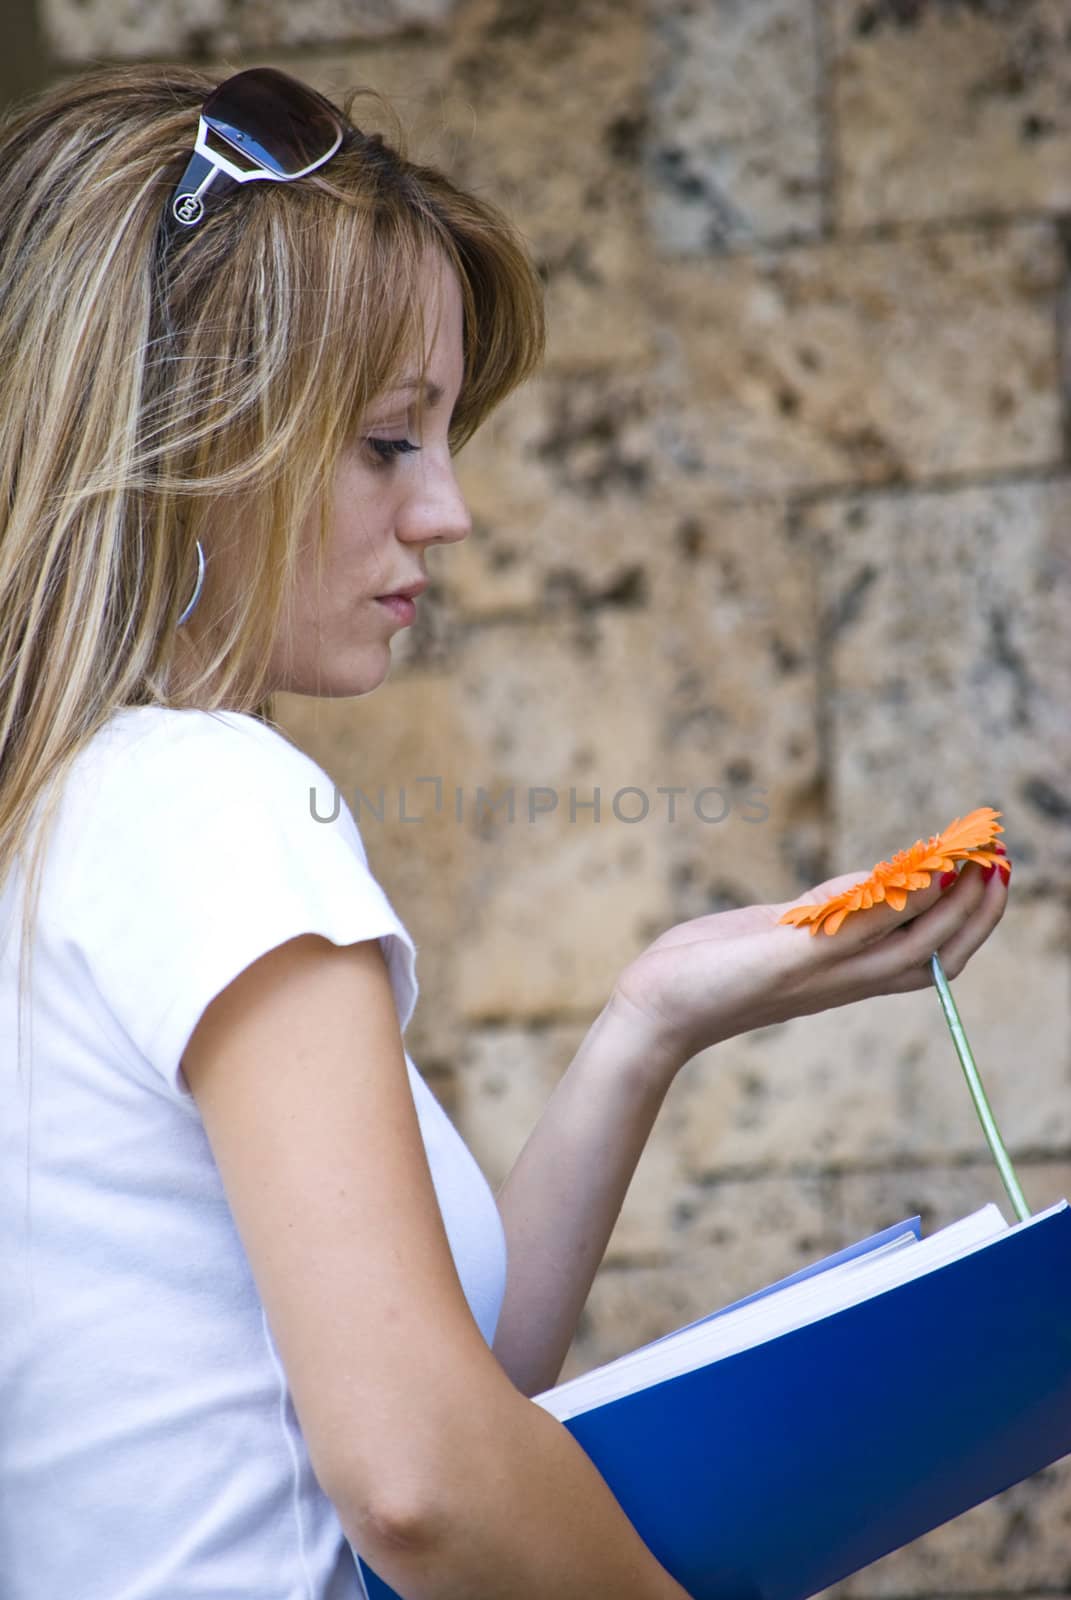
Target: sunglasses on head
(264,126)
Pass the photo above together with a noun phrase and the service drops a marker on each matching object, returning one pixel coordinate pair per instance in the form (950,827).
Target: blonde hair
(144,385)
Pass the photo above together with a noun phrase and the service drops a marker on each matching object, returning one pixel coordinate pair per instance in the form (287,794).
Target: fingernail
(987,872)
(1005,871)
(998,849)
(946,879)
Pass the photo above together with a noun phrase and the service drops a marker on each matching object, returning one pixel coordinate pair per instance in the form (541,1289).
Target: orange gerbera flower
(967,839)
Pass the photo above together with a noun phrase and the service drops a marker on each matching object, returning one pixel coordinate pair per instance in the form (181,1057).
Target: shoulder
(186,847)
(158,794)
(152,766)
(137,738)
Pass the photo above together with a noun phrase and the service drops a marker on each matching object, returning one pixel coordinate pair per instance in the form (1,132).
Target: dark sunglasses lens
(274,120)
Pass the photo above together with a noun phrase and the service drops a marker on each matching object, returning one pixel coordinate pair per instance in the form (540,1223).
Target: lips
(409,592)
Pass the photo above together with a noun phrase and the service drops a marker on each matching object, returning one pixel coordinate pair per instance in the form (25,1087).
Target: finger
(953,910)
(957,950)
(896,961)
(954,927)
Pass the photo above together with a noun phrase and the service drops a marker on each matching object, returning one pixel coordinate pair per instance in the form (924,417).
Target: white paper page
(900,1242)
(794,1307)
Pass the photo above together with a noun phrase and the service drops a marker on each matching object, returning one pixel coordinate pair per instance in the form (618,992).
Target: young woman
(254,1301)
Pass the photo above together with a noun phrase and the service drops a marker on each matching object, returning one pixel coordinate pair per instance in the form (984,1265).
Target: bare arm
(699,983)
(298,1070)
(563,1196)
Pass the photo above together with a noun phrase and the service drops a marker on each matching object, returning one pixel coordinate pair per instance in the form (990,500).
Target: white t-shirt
(149,1449)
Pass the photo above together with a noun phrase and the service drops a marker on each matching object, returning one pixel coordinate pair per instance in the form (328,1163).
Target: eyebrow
(433,392)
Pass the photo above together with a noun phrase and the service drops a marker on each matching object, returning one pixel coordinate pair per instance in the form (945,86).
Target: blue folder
(775,1472)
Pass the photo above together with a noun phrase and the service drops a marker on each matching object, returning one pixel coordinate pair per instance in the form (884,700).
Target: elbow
(409,1506)
(399,1519)
(403,1524)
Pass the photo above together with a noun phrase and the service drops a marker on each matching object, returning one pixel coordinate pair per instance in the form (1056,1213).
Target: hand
(717,976)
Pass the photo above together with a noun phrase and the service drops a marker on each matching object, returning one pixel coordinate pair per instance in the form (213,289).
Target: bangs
(410,212)
(504,323)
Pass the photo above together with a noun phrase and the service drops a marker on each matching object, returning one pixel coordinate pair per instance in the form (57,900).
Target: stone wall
(787,510)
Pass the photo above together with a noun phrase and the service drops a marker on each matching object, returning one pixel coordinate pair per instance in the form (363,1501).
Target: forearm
(526,1516)
(563,1196)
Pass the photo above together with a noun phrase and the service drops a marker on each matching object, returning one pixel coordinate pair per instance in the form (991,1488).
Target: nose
(435,512)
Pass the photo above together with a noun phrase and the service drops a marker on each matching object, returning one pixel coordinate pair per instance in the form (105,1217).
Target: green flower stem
(978,1095)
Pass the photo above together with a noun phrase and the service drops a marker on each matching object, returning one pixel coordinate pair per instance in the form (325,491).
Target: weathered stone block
(730,597)
(742,1234)
(556,714)
(949,111)
(86,30)
(733,151)
(1015,1001)
(556,481)
(730,594)
(735,590)
(124,29)
(731,1238)
(546,109)
(939,1194)
(814,1093)
(411,69)
(949,681)
(860,362)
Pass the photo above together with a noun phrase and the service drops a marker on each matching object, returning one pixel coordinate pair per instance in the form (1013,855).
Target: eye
(387,449)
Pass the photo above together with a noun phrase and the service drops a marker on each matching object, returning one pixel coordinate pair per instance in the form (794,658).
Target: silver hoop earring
(197,591)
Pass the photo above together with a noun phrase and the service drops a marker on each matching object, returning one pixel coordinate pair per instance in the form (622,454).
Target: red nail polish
(1005,871)
(998,849)
(947,879)
(987,872)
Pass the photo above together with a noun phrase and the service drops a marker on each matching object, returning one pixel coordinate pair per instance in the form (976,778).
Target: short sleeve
(191,843)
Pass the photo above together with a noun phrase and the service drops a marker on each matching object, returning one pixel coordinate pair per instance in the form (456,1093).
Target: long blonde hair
(144,386)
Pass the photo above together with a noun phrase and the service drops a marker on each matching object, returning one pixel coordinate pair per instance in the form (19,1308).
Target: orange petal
(799,914)
(984,858)
(966,839)
(977,828)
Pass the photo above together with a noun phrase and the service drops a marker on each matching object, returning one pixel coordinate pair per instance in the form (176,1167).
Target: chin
(342,681)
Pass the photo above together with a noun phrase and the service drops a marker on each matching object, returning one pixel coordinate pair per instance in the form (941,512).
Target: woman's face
(394,494)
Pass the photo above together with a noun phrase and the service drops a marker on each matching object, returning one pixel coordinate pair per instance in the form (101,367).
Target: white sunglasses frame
(187,207)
